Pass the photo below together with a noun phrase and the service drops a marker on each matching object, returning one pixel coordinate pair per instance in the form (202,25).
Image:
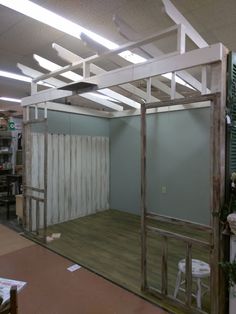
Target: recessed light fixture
(11,99)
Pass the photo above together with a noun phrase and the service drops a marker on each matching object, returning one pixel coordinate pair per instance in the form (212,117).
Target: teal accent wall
(177,164)
(177,159)
(70,123)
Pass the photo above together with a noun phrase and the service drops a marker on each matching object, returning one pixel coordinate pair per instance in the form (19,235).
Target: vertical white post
(204,80)
(181,39)
(27,113)
(173,86)
(33,88)
(45,111)
(86,69)
(36,112)
(149,90)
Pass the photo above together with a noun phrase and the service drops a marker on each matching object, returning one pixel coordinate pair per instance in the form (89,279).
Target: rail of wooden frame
(27,189)
(214,242)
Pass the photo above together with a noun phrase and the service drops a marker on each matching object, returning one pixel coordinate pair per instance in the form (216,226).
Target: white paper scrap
(49,239)
(74,267)
(56,235)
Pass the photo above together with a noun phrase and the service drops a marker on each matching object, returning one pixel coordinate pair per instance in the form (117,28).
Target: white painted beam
(156,82)
(118,114)
(127,32)
(121,98)
(153,67)
(104,102)
(74,109)
(130,113)
(72,57)
(156,66)
(48,65)
(108,54)
(178,18)
(32,73)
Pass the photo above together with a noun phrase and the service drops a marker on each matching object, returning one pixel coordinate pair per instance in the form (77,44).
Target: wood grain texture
(78,176)
(109,244)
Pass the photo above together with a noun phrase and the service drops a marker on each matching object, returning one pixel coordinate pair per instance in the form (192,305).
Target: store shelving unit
(6,164)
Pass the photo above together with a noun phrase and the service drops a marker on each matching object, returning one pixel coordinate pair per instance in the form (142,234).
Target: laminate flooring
(108,243)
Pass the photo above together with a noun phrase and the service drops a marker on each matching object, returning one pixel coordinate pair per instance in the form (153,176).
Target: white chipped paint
(78,175)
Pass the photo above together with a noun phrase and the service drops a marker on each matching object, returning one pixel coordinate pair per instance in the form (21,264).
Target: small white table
(200,270)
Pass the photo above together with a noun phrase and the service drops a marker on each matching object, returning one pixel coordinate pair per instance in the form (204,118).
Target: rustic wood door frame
(217,179)
(29,191)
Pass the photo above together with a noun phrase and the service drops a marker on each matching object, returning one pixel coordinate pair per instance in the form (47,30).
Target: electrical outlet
(163,189)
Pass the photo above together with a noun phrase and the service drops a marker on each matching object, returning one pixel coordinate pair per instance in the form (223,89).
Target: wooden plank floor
(109,244)
(52,289)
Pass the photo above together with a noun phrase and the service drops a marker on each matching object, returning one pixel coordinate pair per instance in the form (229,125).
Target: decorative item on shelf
(11,125)
(3,123)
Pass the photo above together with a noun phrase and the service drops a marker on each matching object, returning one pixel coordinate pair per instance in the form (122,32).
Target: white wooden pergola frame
(124,76)
(213,57)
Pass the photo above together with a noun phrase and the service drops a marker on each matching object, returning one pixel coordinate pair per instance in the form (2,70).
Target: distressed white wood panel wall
(37,174)
(78,175)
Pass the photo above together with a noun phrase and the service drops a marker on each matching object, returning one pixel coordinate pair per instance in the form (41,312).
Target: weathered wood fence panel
(78,176)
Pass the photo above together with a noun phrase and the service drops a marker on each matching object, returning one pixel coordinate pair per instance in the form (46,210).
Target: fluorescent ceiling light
(15,76)
(21,78)
(11,99)
(54,20)
(60,23)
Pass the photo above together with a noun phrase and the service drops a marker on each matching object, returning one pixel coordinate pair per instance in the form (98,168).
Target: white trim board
(127,113)
(153,67)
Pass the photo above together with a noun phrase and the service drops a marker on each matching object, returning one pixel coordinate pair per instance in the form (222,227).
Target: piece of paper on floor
(49,239)
(74,267)
(56,235)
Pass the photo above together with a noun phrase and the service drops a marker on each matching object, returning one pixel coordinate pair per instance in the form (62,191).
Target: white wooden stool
(200,270)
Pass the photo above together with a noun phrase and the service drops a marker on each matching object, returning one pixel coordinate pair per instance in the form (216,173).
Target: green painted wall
(69,123)
(178,161)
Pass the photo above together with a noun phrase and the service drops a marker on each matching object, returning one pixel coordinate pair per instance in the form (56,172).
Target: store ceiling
(21,36)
